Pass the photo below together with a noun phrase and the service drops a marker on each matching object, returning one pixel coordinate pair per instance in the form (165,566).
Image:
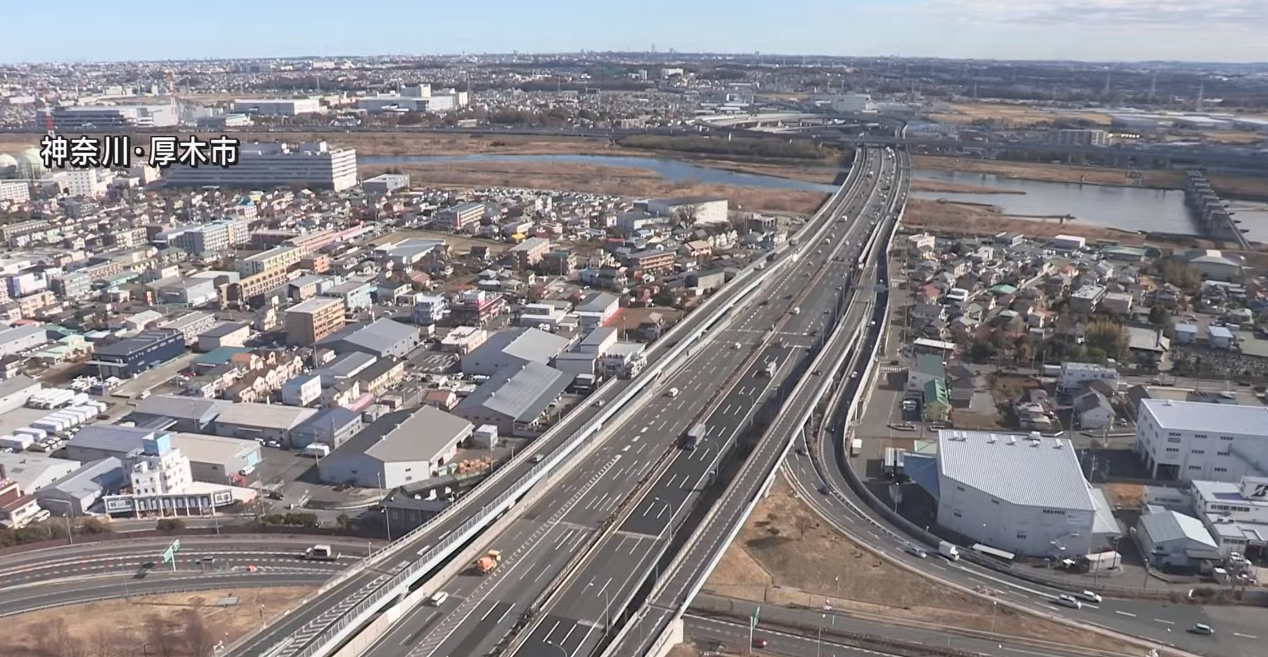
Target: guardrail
(335,632)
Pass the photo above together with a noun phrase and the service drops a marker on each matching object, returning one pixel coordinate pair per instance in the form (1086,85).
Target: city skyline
(1088,30)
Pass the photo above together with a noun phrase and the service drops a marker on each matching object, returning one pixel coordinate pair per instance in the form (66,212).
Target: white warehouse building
(1022,494)
(1184,441)
(276,164)
(278,106)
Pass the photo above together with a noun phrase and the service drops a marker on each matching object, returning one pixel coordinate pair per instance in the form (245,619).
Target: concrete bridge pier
(1213,217)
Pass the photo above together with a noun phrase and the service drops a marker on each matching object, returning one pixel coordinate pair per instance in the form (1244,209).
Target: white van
(673,392)
(438,599)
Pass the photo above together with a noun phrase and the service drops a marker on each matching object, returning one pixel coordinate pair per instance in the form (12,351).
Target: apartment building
(277,164)
(460,217)
(313,320)
(18,192)
(528,253)
(651,260)
(248,290)
(282,257)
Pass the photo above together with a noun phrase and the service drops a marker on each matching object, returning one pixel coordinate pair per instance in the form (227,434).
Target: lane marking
(1124,613)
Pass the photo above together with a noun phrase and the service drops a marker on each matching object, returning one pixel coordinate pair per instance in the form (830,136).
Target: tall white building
(276,164)
(102,117)
(19,192)
(1185,441)
(1022,494)
(86,183)
(1075,375)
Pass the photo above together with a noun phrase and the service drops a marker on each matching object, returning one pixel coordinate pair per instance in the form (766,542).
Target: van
(673,392)
(438,599)
(538,458)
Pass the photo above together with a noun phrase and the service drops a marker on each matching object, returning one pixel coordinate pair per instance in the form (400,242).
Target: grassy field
(1232,186)
(459,243)
(177,625)
(1013,116)
(621,181)
(786,555)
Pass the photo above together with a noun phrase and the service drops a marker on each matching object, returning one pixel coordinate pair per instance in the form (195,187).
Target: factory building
(380,338)
(127,358)
(511,350)
(397,449)
(385,183)
(104,117)
(276,164)
(1185,441)
(1024,494)
(277,106)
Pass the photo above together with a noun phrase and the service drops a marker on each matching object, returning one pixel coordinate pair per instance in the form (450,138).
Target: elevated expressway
(344,605)
(850,311)
(623,496)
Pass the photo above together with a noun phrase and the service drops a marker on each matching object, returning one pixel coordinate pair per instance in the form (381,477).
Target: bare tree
(109,642)
(199,641)
(160,641)
(41,635)
(65,644)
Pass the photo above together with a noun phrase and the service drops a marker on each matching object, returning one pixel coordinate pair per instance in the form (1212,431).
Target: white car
(1068,601)
(1091,596)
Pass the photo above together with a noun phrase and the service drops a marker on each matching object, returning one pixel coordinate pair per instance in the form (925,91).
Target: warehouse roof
(530,344)
(182,407)
(1026,471)
(1166,526)
(1228,419)
(378,336)
(265,416)
(200,448)
(408,435)
(521,393)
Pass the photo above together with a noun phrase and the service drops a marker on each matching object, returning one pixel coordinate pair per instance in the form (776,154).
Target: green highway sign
(176,545)
(168,555)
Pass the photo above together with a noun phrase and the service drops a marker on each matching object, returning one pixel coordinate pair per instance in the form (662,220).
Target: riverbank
(621,181)
(976,219)
(1241,187)
(919,185)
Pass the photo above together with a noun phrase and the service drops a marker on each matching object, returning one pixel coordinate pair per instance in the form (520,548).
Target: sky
(1098,30)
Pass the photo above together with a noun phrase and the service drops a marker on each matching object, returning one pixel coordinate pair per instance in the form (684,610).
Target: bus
(694,435)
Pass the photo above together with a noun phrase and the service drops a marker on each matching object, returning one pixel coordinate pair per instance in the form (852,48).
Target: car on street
(917,551)
(1091,596)
(1068,601)
(1203,629)
(759,642)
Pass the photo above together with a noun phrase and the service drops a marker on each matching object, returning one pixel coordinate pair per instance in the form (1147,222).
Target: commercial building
(460,217)
(515,399)
(354,294)
(1024,494)
(330,426)
(510,350)
(86,183)
(1184,441)
(397,449)
(228,334)
(477,307)
(380,338)
(1076,375)
(693,210)
(34,471)
(191,325)
(597,310)
(278,106)
(108,117)
(385,183)
(313,321)
(74,494)
(276,164)
(429,309)
(261,421)
(1079,138)
(1235,513)
(15,391)
(127,358)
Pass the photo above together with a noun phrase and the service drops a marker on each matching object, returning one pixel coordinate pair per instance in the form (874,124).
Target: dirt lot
(622,181)
(629,318)
(1007,387)
(1231,186)
(178,625)
(1127,496)
(1012,116)
(786,555)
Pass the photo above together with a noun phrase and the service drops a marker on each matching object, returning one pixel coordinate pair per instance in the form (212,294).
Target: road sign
(756,612)
(176,545)
(168,555)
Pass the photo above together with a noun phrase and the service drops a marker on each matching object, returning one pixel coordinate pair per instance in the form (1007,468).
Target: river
(1125,208)
(673,170)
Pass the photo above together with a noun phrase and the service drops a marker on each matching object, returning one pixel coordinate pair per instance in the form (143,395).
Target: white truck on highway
(949,550)
(321,553)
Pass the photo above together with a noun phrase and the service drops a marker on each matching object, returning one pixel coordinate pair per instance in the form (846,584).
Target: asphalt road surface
(577,621)
(540,545)
(197,555)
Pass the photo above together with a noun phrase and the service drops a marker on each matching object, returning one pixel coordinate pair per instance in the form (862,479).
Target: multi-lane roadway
(642,455)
